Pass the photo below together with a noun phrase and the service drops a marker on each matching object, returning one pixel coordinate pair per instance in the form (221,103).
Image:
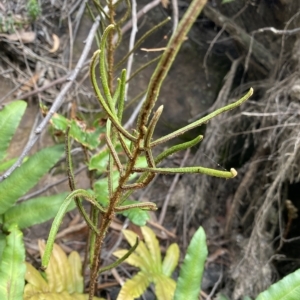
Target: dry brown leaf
(29,84)
(165,3)
(56,43)
(25,36)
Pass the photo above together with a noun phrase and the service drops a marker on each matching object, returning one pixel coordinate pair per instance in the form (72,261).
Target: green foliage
(33,9)
(287,288)
(12,266)
(89,138)
(117,165)
(147,258)
(32,211)
(190,276)
(62,279)
(27,176)
(10,117)
(15,216)
(137,216)
(79,131)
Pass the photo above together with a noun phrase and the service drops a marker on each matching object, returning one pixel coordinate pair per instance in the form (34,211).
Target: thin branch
(260,53)
(279,31)
(58,101)
(44,88)
(209,297)
(175,15)
(131,44)
(140,13)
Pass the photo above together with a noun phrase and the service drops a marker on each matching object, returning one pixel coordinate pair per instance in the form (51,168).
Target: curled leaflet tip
(233,172)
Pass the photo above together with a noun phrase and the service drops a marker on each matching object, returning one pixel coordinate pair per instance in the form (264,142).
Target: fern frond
(171,259)
(164,287)
(133,260)
(141,249)
(134,287)
(153,246)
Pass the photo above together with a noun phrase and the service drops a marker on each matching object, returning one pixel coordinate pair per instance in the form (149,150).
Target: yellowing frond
(31,291)
(58,270)
(133,259)
(50,296)
(171,259)
(147,257)
(153,246)
(84,297)
(76,276)
(35,280)
(134,287)
(164,287)
(141,249)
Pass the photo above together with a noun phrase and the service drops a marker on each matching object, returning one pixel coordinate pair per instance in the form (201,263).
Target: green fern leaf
(35,211)
(12,266)
(188,284)
(287,288)
(10,117)
(27,176)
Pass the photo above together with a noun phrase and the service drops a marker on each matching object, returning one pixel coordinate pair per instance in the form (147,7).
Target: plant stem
(111,48)
(108,217)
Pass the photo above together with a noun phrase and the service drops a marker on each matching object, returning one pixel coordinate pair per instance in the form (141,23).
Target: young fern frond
(103,103)
(189,170)
(203,120)
(177,148)
(152,126)
(122,95)
(120,260)
(142,205)
(125,147)
(103,71)
(114,153)
(59,217)
(121,21)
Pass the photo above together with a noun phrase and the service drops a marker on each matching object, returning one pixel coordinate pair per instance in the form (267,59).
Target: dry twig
(58,101)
